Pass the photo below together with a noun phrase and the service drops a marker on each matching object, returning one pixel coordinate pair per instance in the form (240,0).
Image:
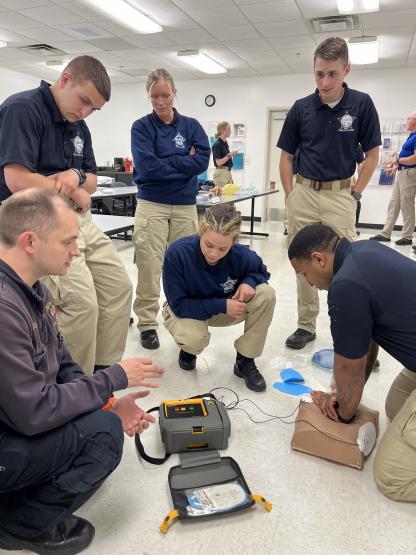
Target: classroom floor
(318,506)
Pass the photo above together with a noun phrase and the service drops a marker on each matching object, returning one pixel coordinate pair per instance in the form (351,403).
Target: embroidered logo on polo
(346,122)
(179,140)
(228,285)
(78,145)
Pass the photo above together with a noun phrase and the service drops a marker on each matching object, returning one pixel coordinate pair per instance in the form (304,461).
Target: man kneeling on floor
(367,311)
(211,280)
(57,445)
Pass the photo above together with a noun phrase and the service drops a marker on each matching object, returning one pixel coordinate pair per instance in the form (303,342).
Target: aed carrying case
(207,485)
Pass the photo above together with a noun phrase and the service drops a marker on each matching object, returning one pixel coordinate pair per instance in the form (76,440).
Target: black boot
(186,360)
(149,339)
(246,368)
(299,338)
(69,537)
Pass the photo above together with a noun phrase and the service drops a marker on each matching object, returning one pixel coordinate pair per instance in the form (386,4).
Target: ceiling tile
(149,41)
(52,15)
(292,41)
(89,14)
(45,34)
(264,58)
(319,37)
(189,5)
(394,44)
(391,4)
(14,38)
(234,32)
(15,21)
(192,36)
(249,72)
(84,31)
(113,44)
(175,21)
(284,70)
(298,57)
(219,17)
(22,4)
(285,10)
(282,28)
(76,47)
(388,19)
(247,45)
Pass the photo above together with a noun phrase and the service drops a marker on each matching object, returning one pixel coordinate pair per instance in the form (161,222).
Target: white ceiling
(248,37)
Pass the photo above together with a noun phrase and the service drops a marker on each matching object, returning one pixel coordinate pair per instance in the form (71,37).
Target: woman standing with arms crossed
(169,152)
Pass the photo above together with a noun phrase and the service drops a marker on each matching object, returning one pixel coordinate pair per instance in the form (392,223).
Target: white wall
(240,100)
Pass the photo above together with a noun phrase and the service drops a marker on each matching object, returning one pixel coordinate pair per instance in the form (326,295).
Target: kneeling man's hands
(235,308)
(326,402)
(134,419)
(244,293)
(139,370)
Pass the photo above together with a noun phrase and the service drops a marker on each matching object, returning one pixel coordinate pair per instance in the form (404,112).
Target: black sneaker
(69,537)
(403,241)
(299,338)
(186,360)
(380,238)
(149,339)
(246,368)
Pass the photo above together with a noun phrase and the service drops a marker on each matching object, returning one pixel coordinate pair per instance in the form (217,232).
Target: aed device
(195,424)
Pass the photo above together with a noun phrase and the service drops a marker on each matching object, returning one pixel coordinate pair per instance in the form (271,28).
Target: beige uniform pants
(192,336)
(156,226)
(395,460)
(222,176)
(93,300)
(402,198)
(306,206)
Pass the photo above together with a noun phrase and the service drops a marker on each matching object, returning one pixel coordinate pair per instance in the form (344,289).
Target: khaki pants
(93,300)
(395,460)
(222,176)
(402,198)
(306,206)
(156,226)
(192,336)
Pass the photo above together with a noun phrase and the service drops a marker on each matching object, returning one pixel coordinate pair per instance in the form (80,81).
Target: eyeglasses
(164,97)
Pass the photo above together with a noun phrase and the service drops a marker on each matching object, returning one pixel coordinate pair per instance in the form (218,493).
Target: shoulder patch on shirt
(346,122)
(179,140)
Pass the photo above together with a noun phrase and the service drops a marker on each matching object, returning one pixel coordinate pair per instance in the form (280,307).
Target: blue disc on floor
(290,375)
(292,388)
(324,358)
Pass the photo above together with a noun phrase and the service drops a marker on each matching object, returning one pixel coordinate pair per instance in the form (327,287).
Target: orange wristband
(110,403)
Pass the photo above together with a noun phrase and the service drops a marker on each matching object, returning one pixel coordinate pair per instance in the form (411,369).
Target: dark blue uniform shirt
(327,138)
(408,149)
(34,134)
(373,296)
(220,149)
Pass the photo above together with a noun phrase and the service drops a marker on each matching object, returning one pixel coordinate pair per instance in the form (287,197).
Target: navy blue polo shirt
(327,138)
(408,149)
(34,134)
(220,149)
(373,296)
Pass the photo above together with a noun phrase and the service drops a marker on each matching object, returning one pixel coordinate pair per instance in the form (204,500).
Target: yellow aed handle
(164,527)
(260,499)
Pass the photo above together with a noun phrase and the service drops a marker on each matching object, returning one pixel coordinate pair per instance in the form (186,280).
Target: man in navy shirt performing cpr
(210,280)
(366,312)
(45,143)
(324,129)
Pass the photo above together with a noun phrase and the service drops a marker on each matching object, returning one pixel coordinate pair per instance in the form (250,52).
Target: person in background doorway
(222,157)
(169,152)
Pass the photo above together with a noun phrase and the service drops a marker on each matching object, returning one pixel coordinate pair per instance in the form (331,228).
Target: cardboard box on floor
(347,444)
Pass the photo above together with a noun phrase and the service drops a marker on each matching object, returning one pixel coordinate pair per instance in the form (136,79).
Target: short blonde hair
(223,219)
(220,128)
(157,75)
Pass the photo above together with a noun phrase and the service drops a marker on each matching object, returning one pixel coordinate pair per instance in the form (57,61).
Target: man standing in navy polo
(367,312)
(326,128)
(44,143)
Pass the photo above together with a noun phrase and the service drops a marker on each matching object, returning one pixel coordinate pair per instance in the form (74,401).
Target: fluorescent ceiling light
(125,14)
(201,61)
(358,6)
(3,43)
(363,50)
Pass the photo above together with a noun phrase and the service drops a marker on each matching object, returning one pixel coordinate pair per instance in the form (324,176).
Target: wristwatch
(356,195)
(82,176)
